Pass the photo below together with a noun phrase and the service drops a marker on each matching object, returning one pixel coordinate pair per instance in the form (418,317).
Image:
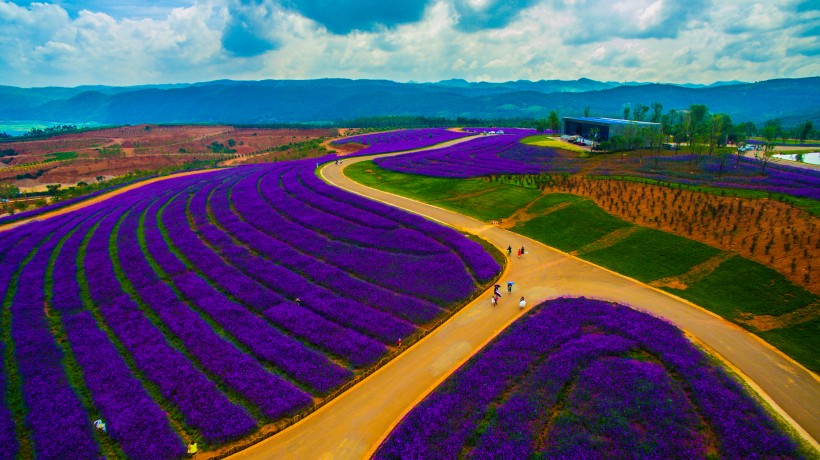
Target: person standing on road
(509,251)
(522,303)
(495,290)
(509,286)
(522,250)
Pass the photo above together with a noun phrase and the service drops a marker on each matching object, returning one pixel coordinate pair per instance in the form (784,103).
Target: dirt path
(99,198)
(353,425)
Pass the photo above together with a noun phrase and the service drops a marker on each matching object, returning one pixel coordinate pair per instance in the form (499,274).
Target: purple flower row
(44,385)
(440,278)
(584,378)
(405,139)
(316,272)
(200,402)
(472,255)
(495,154)
(172,293)
(271,394)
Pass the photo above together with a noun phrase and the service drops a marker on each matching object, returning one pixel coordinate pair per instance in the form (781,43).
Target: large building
(607,127)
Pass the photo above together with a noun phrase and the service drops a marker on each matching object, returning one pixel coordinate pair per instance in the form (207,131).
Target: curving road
(353,425)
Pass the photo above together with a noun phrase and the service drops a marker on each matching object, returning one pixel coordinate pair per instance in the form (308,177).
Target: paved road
(353,425)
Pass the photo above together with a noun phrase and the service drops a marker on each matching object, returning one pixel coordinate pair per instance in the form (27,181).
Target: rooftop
(610,121)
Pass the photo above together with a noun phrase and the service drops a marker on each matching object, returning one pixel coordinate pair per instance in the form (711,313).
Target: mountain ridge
(337,99)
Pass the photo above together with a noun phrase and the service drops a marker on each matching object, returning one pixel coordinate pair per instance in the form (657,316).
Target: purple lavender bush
(580,378)
(202,307)
(404,139)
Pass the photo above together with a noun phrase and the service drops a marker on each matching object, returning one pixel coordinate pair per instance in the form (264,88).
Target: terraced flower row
(201,307)
(485,155)
(62,204)
(580,378)
(406,139)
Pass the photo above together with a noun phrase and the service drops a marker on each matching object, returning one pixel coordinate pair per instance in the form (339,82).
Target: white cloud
(644,40)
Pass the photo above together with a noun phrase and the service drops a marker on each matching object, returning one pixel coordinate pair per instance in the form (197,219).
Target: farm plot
(396,141)
(485,155)
(579,378)
(200,308)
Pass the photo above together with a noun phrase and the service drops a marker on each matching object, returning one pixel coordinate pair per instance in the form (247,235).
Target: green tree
(541,125)
(53,189)
(804,129)
(715,132)
(9,191)
(698,113)
(657,112)
(639,112)
(626,112)
(770,132)
(554,122)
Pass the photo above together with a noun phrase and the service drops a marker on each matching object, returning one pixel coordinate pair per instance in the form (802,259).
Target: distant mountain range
(327,100)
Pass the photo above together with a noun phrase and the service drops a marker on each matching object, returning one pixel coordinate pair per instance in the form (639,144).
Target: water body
(812,158)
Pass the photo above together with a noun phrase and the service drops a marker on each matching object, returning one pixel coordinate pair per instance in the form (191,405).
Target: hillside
(287,101)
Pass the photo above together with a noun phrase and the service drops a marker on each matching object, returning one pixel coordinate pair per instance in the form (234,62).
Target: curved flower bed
(580,378)
(405,139)
(485,155)
(201,307)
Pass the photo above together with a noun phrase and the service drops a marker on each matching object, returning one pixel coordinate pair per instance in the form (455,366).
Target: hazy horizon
(135,42)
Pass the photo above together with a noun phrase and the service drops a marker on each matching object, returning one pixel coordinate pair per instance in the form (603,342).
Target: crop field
(394,141)
(580,378)
(204,307)
(73,157)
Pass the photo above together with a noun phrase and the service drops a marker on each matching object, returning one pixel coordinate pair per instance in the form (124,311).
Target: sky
(134,42)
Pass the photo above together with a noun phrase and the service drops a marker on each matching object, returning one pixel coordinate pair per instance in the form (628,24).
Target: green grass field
(648,255)
(735,287)
(576,225)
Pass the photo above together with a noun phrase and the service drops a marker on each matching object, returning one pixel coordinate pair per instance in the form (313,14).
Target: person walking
(509,286)
(494,301)
(519,253)
(522,303)
(496,293)
(509,251)
(522,250)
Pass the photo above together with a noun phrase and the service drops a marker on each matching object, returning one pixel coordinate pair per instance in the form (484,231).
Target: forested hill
(287,101)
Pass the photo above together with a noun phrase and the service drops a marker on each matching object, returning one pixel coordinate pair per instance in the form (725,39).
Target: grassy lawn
(570,228)
(800,341)
(737,286)
(741,285)
(649,254)
(547,141)
(472,197)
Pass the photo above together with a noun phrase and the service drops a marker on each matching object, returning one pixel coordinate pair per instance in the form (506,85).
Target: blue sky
(132,42)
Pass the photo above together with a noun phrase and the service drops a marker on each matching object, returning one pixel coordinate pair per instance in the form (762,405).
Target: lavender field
(202,307)
(499,154)
(483,156)
(405,139)
(580,378)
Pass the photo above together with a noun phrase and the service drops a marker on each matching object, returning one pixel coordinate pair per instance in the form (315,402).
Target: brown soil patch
(695,274)
(773,233)
(610,239)
(768,322)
